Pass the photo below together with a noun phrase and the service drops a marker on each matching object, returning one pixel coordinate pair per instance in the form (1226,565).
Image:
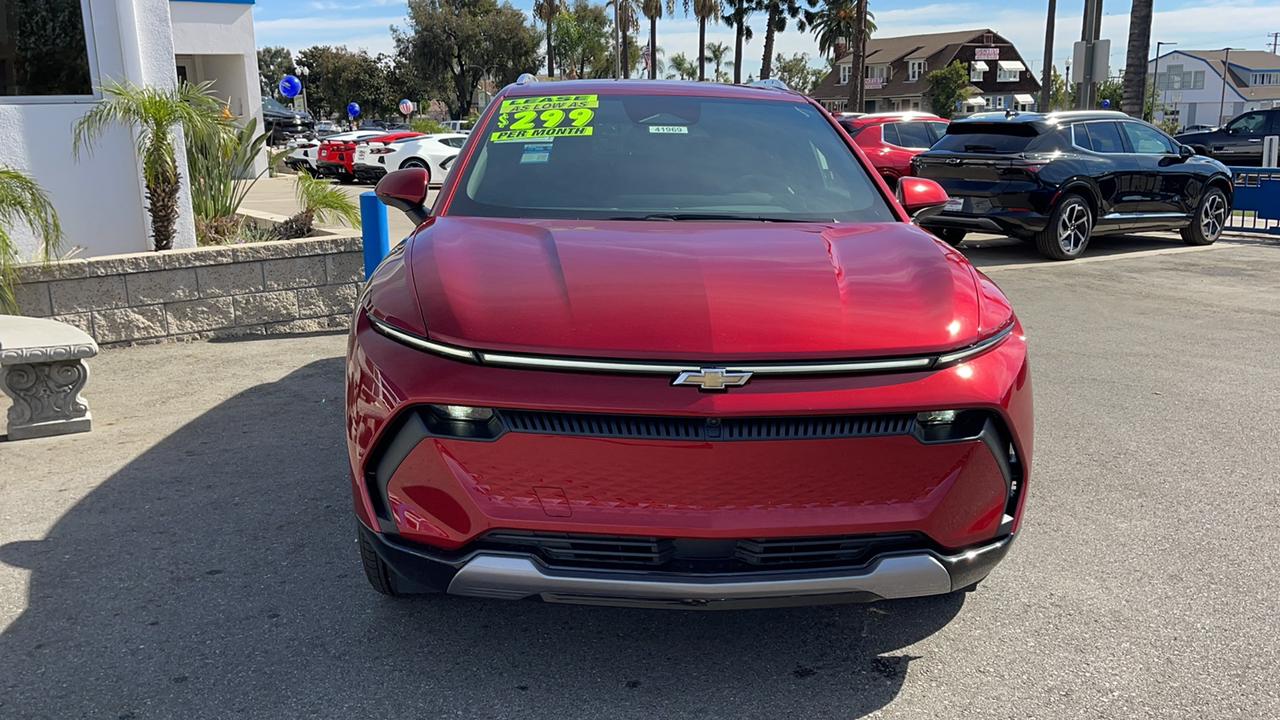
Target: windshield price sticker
(555,102)
(521,125)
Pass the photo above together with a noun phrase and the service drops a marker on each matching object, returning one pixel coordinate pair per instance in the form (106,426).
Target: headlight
(982,346)
(463,412)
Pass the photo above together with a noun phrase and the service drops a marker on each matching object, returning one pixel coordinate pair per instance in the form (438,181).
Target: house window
(844,74)
(999,102)
(43,49)
(878,71)
(976,71)
(1265,78)
(1010,71)
(915,68)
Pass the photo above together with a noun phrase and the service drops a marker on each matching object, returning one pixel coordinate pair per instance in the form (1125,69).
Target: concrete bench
(42,368)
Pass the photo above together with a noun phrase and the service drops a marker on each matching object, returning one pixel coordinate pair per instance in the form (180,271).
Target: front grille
(680,555)
(703,429)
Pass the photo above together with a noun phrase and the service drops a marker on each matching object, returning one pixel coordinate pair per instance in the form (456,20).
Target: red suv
(669,344)
(337,159)
(890,140)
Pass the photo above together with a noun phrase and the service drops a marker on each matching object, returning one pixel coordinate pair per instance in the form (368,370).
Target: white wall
(220,36)
(1202,106)
(100,198)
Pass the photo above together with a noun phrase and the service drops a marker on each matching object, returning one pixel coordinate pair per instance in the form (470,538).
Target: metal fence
(1257,200)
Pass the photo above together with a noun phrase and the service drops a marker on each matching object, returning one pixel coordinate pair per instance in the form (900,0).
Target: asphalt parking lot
(194,555)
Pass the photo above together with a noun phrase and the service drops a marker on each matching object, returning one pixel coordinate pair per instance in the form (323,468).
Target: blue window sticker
(536,153)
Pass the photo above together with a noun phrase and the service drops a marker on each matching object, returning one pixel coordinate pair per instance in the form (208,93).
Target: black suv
(1239,142)
(1056,179)
(284,124)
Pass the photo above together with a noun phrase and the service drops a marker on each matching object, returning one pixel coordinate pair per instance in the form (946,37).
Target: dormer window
(915,68)
(844,74)
(1265,78)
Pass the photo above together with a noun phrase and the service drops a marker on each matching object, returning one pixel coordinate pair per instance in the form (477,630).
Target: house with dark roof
(897,71)
(1188,84)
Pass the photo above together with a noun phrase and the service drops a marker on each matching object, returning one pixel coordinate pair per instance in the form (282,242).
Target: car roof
(651,87)
(888,117)
(1041,121)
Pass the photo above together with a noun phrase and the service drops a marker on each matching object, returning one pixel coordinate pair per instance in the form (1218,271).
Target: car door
(1116,172)
(1164,180)
(1241,139)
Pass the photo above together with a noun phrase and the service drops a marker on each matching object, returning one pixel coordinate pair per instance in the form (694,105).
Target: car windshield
(270,103)
(665,158)
(976,137)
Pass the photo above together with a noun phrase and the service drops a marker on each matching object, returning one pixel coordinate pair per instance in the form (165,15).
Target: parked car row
(1056,180)
(370,154)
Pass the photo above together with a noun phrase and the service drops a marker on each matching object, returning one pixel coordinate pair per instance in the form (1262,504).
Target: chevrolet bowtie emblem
(712,378)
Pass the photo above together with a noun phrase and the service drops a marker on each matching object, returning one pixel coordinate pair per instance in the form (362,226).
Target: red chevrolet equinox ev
(671,344)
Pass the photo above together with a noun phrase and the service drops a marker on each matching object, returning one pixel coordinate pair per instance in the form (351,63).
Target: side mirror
(921,197)
(1186,152)
(406,191)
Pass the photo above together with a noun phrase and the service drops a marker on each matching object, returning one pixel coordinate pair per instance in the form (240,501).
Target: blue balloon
(290,86)
(353,109)
(1106,103)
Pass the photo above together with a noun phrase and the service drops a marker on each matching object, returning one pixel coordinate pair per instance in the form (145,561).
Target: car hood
(692,289)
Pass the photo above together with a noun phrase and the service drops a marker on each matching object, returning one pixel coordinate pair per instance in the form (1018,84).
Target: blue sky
(1193,24)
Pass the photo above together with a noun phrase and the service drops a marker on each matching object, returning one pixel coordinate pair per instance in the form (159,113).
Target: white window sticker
(539,153)
(669,129)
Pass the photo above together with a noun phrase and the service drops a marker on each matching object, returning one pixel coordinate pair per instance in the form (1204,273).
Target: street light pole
(1046,88)
(304,72)
(1156,82)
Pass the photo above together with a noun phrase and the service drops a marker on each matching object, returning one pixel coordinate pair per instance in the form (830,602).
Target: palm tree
(321,201)
(653,9)
(835,24)
(704,10)
(1135,65)
(23,202)
(546,11)
(682,68)
(737,15)
(627,21)
(153,113)
(779,11)
(717,53)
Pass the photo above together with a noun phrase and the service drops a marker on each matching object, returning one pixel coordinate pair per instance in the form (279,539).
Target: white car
(304,151)
(433,152)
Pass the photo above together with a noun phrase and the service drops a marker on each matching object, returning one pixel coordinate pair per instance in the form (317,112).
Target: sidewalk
(275,196)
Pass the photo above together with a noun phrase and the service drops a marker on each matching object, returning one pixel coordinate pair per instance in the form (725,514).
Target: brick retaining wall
(254,289)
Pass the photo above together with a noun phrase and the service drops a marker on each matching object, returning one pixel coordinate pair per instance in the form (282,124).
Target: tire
(1210,219)
(1067,234)
(950,236)
(417,163)
(380,575)
(891,181)
(347,179)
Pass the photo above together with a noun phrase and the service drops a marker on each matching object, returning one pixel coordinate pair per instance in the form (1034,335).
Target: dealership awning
(977,101)
(1012,65)
(1024,99)
(986,66)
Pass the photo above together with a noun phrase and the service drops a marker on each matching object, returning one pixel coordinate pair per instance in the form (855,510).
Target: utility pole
(617,42)
(1087,96)
(1046,87)
(1222,101)
(1275,41)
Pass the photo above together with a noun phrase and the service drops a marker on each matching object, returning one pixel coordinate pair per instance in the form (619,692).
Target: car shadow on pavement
(217,575)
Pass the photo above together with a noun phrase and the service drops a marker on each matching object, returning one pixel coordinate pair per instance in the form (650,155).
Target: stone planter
(287,286)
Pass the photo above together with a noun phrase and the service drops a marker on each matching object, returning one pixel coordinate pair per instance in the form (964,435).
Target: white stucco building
(54,54)
(1190,84)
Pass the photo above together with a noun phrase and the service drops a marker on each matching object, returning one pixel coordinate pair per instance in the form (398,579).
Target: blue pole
(377,240)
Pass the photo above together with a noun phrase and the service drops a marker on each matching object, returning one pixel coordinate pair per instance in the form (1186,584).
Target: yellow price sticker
(548,123)
(538,134)
(550,102)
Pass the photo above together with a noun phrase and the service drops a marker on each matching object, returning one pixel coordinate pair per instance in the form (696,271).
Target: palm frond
(326,201)
(23,202)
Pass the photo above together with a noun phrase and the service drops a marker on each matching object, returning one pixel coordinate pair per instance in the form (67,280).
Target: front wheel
(1067,233)
(950,236)
(380,575)
(1211,218)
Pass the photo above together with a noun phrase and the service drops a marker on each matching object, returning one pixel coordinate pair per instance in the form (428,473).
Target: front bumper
(515,577)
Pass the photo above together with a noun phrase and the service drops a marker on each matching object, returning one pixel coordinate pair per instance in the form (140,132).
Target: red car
(337,158)
(673,344)
(890,140)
